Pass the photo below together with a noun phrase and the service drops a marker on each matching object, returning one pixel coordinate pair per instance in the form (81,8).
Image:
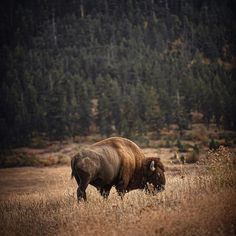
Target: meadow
(199,199)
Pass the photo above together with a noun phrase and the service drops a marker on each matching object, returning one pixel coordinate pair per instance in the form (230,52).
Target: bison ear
(152,166)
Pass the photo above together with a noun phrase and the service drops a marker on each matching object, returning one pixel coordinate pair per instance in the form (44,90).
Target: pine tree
(84,109)
(115,105)
(56,111)
(104,120)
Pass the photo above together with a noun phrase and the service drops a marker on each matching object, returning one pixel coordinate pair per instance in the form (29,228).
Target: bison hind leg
(84,179)
(81,195)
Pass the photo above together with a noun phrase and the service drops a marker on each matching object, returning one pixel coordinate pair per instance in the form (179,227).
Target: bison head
(154,173)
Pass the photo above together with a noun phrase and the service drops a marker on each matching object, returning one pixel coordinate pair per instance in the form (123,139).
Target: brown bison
(115,162)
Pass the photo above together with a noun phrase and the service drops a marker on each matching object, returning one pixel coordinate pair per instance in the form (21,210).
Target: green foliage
(56,111)
(167,144)
(180,146)
(84,109)
(104,116)
(142,141)
(196,149)
(182,159)
(21,159)
(38,142)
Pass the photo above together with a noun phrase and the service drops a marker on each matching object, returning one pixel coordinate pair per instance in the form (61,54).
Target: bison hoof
(160,188)
(104,193)
(81,195)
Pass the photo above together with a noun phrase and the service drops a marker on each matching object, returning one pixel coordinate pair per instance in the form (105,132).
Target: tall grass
(192,204)
(221,165)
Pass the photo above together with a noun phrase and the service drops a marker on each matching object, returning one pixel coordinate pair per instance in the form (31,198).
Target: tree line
(124,67)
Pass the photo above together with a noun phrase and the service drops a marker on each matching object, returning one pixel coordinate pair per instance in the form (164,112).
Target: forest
(76,67)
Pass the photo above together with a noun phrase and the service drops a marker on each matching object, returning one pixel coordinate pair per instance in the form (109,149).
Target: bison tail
(73,162)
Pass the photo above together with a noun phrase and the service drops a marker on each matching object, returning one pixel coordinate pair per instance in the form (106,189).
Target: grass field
(197,201)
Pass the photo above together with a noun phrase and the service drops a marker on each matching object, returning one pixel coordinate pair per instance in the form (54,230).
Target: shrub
(38,142)
(18,160)
(167,144)
(222,165)
(213,145)
(200,133)
(228,142)
(196,148)
(63,160)
(231,135)
(142,141)
(180,146)
(182,159)
(192,157)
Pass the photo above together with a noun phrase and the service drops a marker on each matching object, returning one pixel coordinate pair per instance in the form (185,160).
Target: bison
(115,162)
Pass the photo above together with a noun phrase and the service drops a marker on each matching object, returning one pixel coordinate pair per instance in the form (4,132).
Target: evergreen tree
(56,112)
(104,115)
(84,109)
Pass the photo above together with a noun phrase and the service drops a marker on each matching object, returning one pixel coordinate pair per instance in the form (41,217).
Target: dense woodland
(127,67)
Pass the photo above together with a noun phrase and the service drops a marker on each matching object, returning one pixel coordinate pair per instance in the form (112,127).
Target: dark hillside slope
(146,64)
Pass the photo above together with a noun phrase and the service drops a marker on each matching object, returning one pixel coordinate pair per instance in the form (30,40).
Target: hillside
(147,64)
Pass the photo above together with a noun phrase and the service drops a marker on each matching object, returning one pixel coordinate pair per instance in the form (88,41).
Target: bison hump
(129,154)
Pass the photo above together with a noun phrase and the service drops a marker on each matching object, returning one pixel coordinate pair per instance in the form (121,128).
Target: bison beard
(115,162)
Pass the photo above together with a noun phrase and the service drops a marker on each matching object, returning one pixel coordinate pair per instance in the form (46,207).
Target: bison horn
(152,167)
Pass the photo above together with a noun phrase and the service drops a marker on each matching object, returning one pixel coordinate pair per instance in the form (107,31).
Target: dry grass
(42,201)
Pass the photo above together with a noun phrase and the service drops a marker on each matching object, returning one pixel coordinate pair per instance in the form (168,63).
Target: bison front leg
(105,192)
(120,188)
